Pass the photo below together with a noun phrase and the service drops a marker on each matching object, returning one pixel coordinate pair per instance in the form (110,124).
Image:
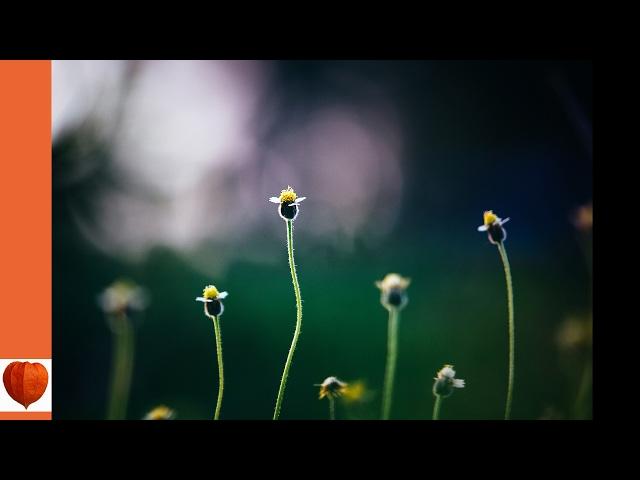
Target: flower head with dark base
(331,388)
(393,291)
(493,225)
(445,382)
(288,202)
(211,297)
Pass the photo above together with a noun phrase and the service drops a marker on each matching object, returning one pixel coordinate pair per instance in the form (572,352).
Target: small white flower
(393,291)
(445,382)
(211,298)
(123,297)
(288,202)
(447,371)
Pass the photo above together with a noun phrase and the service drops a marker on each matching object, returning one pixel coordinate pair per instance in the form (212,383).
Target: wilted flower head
(445,382)
(123,297)
(161,412)
(393,292)
(211,297)
(493,225)
(289,202)
(331,387)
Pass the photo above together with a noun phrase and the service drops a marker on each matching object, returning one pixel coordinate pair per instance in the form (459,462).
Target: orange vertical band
(25,209)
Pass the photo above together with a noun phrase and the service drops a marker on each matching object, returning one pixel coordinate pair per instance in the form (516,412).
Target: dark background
(510,136)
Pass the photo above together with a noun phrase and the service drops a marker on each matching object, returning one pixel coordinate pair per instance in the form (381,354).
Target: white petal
(202,299)
(300,199)
(274,200)
(483,228)
(458,383)
(448,372)
(502,222)
(222,295)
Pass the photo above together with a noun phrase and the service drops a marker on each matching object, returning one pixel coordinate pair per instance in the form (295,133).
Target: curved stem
(296,333)
(392,353)
(122,369)
(216,327)
(512,342)
(436,407)
(332,408)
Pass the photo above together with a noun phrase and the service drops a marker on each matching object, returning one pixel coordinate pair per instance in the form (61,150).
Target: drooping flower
(332,387)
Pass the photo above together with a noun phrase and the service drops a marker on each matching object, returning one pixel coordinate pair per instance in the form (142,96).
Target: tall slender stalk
(332,408)
(512,346)
(436,407)
(296,334)
(122,368)
(216,327)
(392,353)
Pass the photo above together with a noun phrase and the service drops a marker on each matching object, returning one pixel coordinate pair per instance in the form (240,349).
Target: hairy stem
(296,333)
(512,335)
(216,327)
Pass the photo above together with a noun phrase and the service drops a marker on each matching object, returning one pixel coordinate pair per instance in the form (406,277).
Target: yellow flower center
(210,292)
(160,413)
(288,195)
(490,217)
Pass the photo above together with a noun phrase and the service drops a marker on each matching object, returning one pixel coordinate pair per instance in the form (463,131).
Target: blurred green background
(514,137)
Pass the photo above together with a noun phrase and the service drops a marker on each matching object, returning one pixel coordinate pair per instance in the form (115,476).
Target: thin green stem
(216,327)
(122,368)
(436,407)
(296,334)
(332,408)
(392,354)
(512,335)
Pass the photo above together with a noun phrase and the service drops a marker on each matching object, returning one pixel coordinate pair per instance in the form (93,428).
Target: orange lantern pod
(25,382)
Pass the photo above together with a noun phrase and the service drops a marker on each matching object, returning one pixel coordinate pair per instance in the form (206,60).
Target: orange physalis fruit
(25,382)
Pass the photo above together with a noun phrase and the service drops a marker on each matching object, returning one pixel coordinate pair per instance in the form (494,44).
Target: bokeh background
(162,171)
